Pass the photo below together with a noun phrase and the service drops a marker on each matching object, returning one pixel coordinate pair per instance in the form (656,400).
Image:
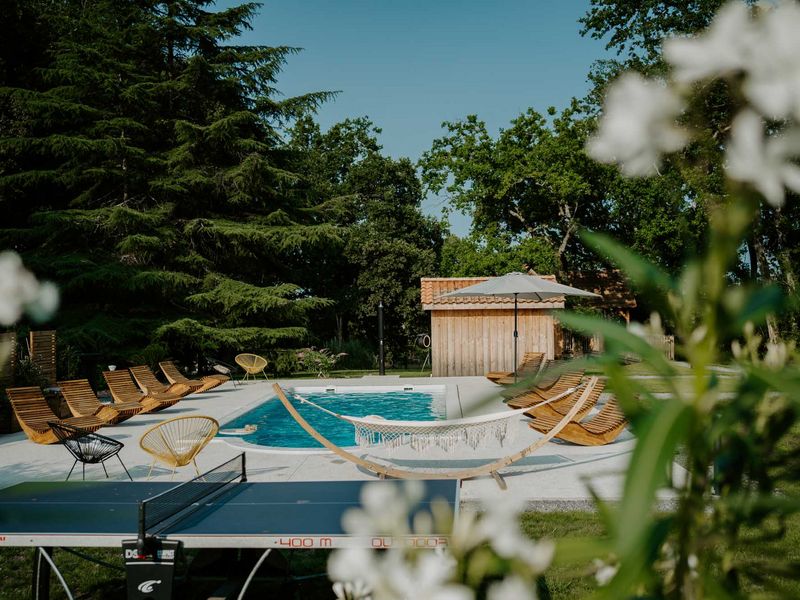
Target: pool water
(276,427)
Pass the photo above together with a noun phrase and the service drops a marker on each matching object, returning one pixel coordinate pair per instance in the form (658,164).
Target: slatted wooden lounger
(148,382)
(558,408)
(34,415)
(597,430)
(206,382)
(123,390)
(83,402)
(528,367)
(535,395)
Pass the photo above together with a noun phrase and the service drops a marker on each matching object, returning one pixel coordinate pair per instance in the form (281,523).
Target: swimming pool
(276,427)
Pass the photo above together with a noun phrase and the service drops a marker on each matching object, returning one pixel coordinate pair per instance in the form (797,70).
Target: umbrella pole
(516,335)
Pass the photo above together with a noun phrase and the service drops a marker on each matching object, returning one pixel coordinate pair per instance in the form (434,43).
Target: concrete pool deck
(556,477)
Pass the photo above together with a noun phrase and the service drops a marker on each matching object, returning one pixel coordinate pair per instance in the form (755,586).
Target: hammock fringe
(475,432)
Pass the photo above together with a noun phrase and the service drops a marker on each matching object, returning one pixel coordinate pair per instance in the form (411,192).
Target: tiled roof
(434,287)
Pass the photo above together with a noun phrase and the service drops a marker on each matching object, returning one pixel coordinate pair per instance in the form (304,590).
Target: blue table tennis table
(153,521)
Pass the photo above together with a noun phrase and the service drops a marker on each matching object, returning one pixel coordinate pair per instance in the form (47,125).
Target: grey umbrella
(520,285)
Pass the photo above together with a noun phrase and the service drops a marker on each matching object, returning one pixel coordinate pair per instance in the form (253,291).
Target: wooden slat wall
(474,342)
(43,353)
(8,358)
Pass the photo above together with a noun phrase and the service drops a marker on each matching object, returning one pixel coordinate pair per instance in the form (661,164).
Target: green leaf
(659,435)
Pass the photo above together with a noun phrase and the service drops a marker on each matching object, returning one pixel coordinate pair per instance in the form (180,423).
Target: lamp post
(381,365)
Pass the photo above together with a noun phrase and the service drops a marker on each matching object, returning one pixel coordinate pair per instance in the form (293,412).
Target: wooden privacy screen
(43,353)
(8,358)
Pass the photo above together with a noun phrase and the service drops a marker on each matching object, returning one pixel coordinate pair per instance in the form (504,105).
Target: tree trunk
(763,267)
(339,328)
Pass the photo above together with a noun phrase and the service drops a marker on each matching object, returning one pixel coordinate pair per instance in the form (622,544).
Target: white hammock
(475,432)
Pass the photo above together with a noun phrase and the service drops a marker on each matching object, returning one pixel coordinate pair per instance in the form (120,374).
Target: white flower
(765,164)
(511,588)
(385,509)
(773,73)
(638,125)
(352,564)
(723,48)
(604,572)
(498,525)
(20,292)
(346,590)
(428,578)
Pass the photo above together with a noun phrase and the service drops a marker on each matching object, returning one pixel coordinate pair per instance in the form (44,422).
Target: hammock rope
(375,431)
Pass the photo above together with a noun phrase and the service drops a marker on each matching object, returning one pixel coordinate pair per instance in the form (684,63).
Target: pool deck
(556,477)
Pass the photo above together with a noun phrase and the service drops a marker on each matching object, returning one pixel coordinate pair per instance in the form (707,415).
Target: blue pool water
(276,427)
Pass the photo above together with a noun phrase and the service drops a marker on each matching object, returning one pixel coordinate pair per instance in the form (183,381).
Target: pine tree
(142,168)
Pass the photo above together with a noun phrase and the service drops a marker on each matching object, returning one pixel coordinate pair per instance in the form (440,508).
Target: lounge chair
(83,402)
(252,364)
(178,441)
(599,429)
(536,394)
(34,415)
(560,407)
(206,382)
(88,448)
(528,367)
(148,382)
(123,390)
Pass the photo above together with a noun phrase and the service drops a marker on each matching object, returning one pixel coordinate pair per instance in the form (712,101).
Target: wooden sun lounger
(123,390)
(599,429)
(561,407)
(34,415)
(206,382)
(83,402)
(528,367)
(535,395)
(148,382)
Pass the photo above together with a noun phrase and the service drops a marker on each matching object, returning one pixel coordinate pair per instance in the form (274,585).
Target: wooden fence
(575,344)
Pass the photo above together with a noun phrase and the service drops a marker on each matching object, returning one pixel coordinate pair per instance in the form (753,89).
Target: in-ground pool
(276,427)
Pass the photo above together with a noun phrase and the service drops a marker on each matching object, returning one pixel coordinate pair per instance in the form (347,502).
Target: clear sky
(408,65)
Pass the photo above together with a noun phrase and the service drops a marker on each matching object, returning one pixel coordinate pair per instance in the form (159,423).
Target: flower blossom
(764,164)
(724,48)
(21,292)
(638,125)
(604,572)
(773,73)
(511,588)
(499,525)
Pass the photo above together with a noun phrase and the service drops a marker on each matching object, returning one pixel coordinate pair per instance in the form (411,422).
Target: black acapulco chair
(88,447)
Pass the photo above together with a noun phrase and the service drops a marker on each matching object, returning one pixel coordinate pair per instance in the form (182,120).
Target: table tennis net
(161,509)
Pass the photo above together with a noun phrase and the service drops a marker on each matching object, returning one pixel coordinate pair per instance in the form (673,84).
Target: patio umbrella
(520,285)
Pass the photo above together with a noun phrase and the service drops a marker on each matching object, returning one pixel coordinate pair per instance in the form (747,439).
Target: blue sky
(408,65)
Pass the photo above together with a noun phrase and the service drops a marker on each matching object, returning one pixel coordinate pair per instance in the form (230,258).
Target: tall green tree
(495,254)
(142,168)
(635,30)
(388,244)
(533,179)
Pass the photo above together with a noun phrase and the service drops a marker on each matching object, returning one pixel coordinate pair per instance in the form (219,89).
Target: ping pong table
(153,521)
